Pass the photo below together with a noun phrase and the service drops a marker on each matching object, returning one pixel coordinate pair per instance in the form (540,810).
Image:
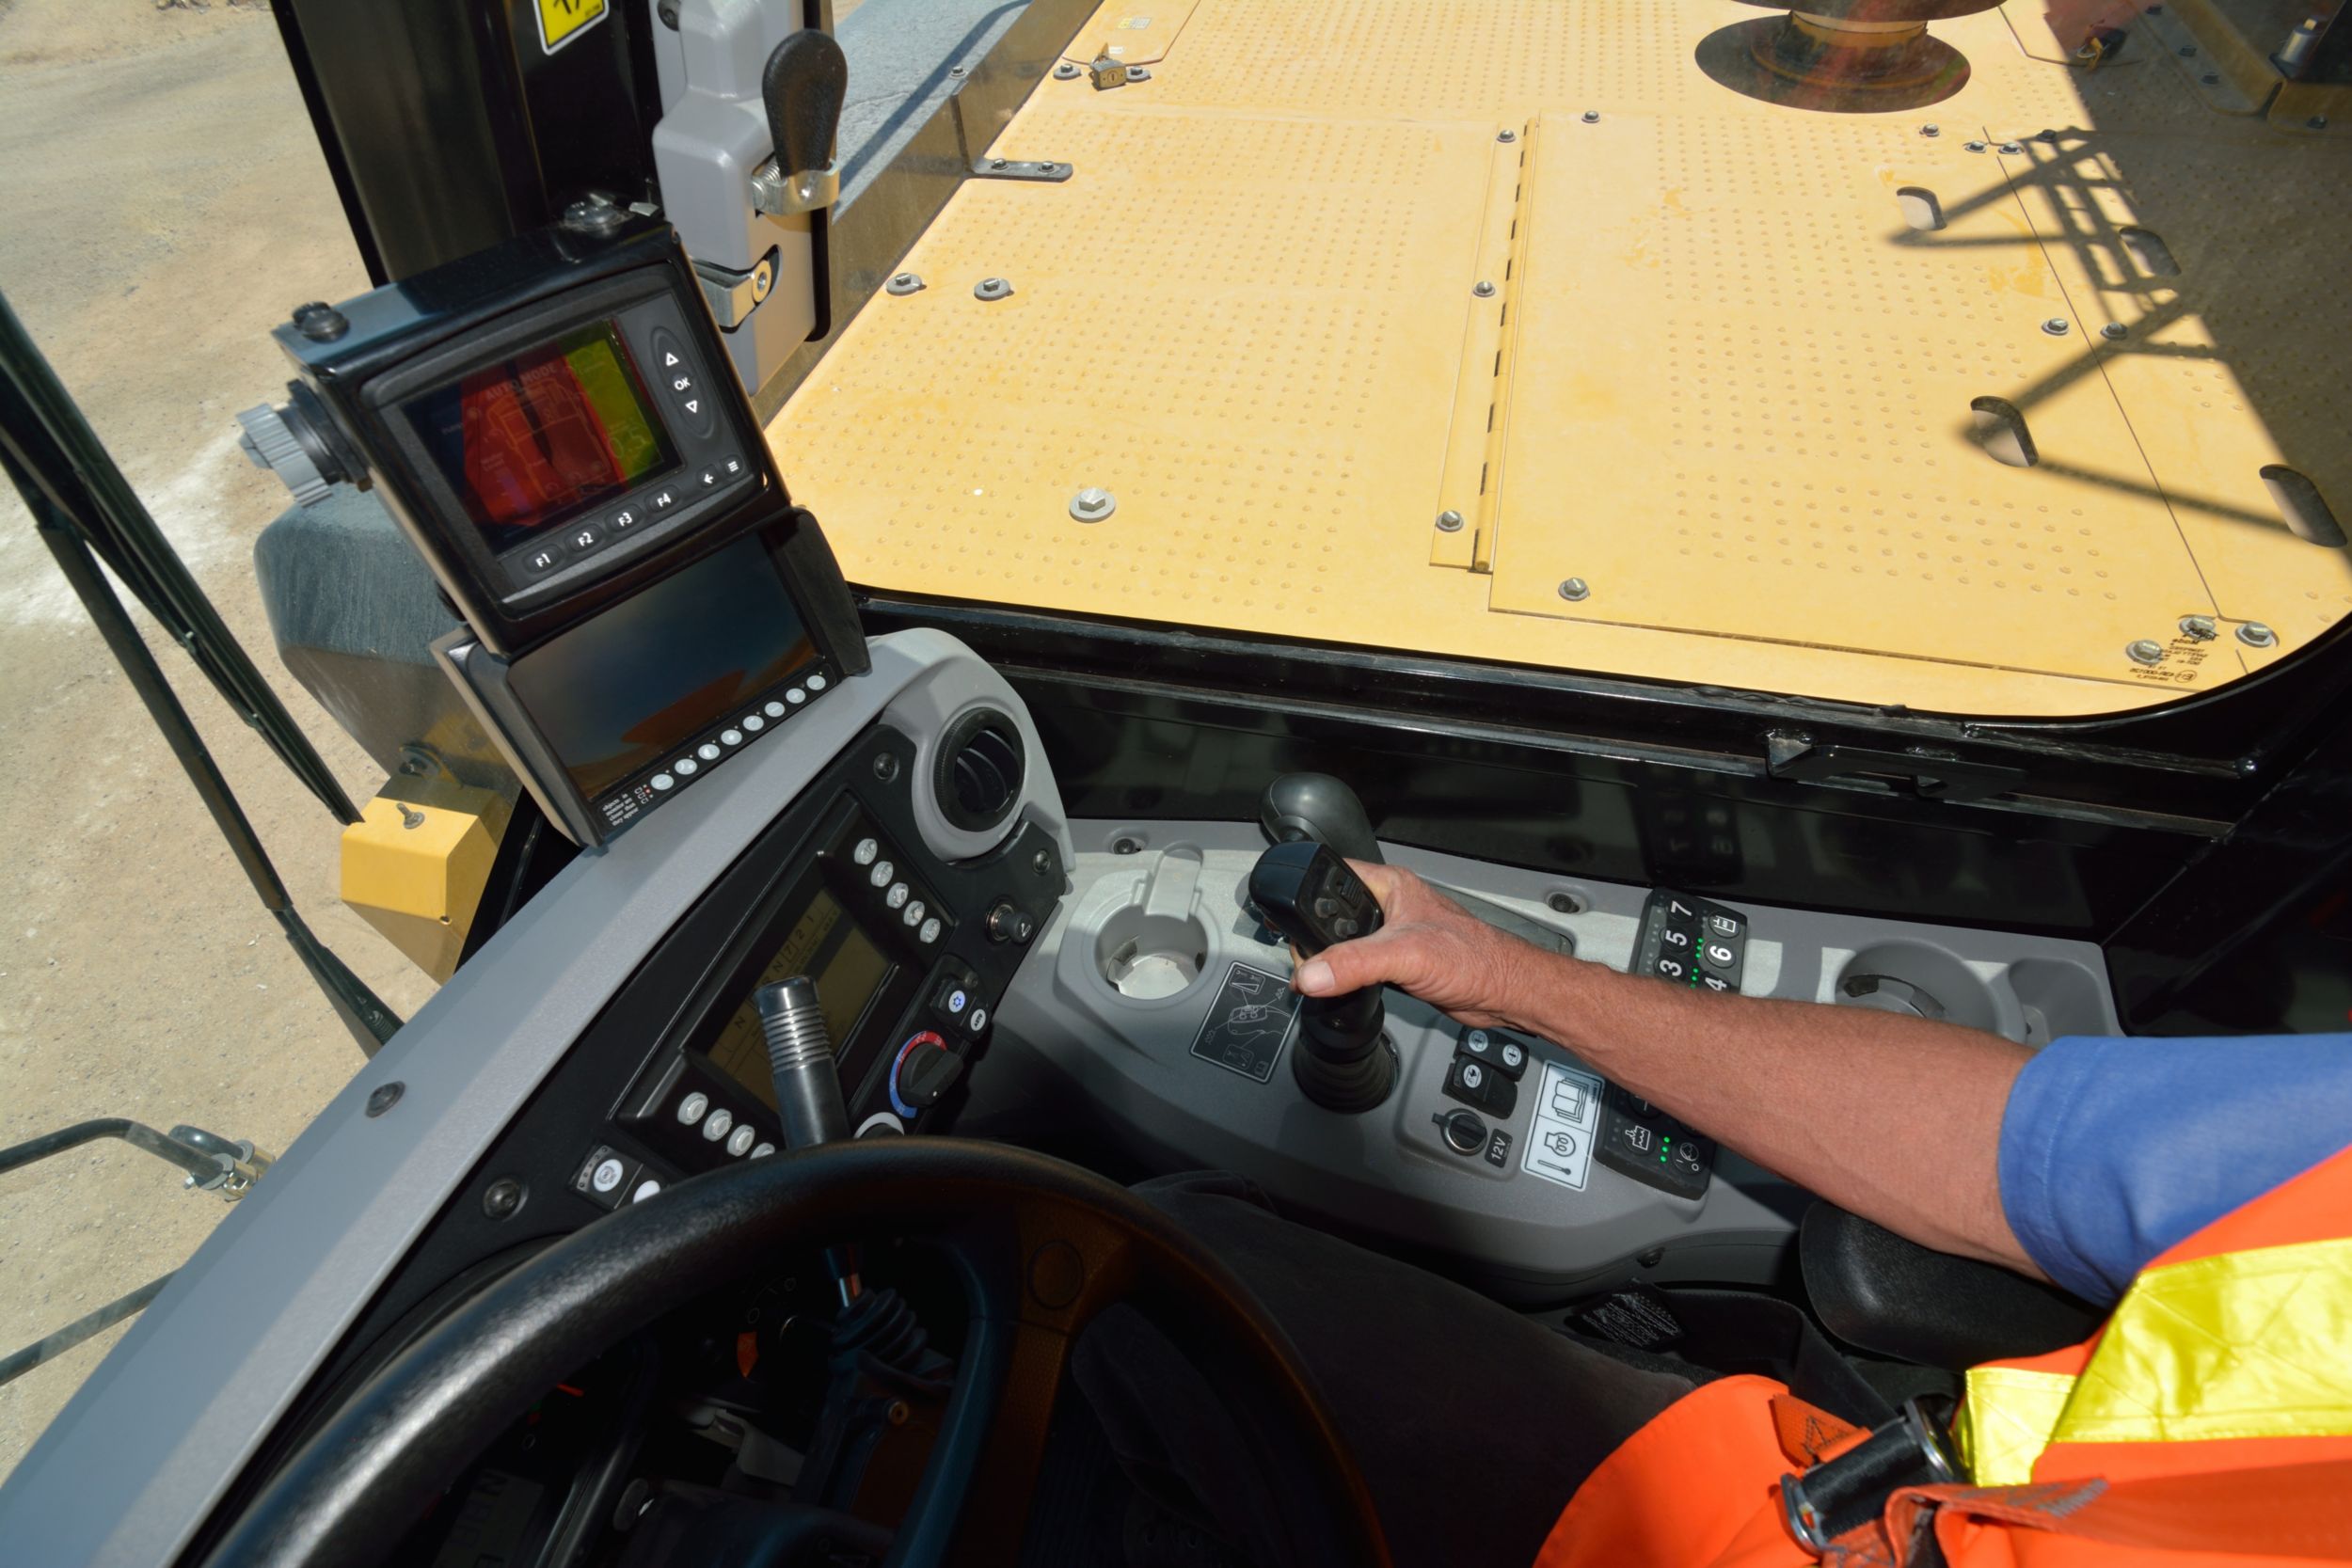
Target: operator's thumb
(1349,966)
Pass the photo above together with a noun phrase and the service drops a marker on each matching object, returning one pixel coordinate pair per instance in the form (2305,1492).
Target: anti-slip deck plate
(1720,378)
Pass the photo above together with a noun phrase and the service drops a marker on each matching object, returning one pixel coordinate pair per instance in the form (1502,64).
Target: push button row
(586,538)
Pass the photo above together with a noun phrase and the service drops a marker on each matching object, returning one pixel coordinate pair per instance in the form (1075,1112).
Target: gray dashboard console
(131,1467)
(1156,1004)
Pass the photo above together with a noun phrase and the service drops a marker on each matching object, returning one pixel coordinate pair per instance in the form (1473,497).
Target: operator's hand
(1431,946)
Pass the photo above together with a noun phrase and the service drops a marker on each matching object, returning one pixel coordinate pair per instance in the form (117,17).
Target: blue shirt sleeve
(2114,1150)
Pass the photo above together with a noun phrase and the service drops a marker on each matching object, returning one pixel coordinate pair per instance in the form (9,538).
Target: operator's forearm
(1895,1118)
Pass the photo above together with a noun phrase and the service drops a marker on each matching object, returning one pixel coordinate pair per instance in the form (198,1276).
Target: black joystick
(1319,807)
(1344,1061)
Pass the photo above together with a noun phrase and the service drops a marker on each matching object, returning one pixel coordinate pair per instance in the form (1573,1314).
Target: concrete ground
(167,204)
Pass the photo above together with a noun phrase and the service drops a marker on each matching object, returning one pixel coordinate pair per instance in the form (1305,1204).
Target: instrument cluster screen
(827,946)
(537,439)
(617,694)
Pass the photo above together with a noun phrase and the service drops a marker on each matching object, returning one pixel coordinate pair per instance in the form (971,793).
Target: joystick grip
(1306,892)
(1319,807)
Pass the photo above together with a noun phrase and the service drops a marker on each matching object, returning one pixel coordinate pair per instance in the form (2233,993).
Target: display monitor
(542,436)
(824,943)
(616,695)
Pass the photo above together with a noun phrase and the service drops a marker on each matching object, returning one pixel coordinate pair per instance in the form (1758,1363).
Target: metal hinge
(1022,168)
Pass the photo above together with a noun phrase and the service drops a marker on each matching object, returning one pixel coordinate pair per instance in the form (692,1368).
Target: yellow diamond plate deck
(1721,377)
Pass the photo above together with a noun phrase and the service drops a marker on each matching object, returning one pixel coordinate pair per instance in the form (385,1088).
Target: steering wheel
(1040,1247)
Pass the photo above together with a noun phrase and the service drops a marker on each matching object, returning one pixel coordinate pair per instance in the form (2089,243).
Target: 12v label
(1247,1022)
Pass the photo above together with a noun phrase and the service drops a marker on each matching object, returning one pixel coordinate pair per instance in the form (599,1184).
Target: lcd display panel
(543,436)
(827,946)
(620,692)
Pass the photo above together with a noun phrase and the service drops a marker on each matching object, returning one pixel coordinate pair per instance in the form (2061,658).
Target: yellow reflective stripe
(2006,1421)
(2240,1344)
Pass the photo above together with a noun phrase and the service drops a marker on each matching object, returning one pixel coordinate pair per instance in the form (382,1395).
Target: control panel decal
(1249,1023)
(1568,1124)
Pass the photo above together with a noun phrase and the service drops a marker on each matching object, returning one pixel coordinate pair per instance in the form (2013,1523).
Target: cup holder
(1147,957)
(1925,982)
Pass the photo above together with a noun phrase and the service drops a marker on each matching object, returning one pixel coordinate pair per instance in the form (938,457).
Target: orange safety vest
(2208,1421)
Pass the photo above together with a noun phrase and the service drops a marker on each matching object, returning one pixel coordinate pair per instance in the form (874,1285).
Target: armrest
(1876,1290)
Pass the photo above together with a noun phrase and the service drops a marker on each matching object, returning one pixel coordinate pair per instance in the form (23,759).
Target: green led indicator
(1664,1145)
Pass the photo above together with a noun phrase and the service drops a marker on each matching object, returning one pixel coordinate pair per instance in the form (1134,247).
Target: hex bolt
(1069,70)
(1449,521)
(993,288)
(1576,589)
(2146,651)
(2255,635)
(1092,504)
(1507,135)
(2199,627)
(904,283)
(2057,326)
(1592,116)
(2115,331)
(1139,73)
(1483,289)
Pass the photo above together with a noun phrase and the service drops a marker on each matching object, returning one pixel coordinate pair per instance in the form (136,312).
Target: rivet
(1973,146)
(2146,651)
(2317,122)
(2255,635)
(1507,135)
(1575,590)
(885,766)
(2056,327)
(2188,50)
(2210,79)
(1449,522)
(2201,628)
(2115,330)
(1483,289)
(1930,130)
(385,1095)
(1092,504)
(996,163)
(1592,116)
(1565,903)
(2011,149)
(503,1198)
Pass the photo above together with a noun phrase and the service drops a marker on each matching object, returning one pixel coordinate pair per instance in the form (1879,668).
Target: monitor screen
(827,946)
(539,437)
(618,693)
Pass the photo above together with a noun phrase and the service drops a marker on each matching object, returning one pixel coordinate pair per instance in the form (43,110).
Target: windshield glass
(1982,365)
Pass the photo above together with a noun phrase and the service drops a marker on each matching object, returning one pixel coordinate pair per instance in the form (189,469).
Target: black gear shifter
(1319,807)
(1303,890)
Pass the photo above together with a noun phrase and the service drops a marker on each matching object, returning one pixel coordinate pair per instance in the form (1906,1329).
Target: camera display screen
(544,434)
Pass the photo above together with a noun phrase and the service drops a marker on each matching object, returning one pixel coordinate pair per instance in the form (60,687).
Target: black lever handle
(1319,807)
(803,87)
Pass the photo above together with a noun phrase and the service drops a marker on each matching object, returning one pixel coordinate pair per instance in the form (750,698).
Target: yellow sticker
(562,20)
(1135,24)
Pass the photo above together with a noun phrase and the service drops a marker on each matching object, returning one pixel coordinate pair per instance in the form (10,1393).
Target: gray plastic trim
(1068,1045)
(129,1469)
